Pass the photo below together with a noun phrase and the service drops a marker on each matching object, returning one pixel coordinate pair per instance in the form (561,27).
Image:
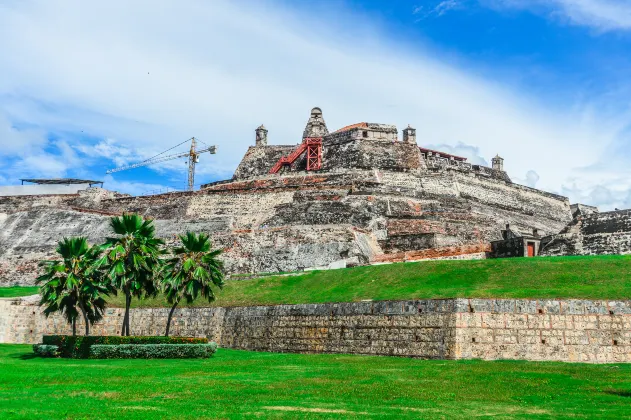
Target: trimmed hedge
(153,351)
(46,350)
(78,347)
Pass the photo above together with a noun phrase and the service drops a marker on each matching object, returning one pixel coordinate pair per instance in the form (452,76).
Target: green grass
(17,291)
(593,277)
(238,384)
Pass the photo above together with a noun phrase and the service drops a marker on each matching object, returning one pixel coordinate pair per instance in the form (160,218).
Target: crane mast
(193,158)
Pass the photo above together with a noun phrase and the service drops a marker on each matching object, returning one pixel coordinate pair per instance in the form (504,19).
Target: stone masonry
(489,329)
(376,199)
(592,233)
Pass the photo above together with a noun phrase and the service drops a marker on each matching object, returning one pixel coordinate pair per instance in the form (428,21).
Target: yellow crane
(192,154)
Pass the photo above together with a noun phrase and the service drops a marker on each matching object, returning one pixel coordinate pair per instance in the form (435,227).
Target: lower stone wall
(490,329)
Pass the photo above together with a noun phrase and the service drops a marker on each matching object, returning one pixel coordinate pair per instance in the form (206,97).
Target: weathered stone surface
(591,233)
(489,329)
(376,199)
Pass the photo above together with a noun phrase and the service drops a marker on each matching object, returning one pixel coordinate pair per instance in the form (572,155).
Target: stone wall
(375,199)
(490,329)
(592,234)
(296,221)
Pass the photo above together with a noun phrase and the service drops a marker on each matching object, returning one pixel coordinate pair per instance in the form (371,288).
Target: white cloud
(603,15)
(472,153)
(530,179)
(135,188)
(437,10)
(16,142)
(149,74)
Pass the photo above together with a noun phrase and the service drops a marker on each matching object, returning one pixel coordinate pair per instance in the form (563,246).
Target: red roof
(349,127)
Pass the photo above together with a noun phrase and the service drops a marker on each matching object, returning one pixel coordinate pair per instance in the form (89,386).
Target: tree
(74,282)
(133,259)
(192,272)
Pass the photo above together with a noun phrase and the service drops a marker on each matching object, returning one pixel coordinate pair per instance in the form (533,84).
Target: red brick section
(450,251)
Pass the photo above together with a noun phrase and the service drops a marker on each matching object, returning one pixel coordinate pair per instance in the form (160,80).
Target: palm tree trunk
(85,318)
(125,328)
(169,319)
(74,326)
(127,315)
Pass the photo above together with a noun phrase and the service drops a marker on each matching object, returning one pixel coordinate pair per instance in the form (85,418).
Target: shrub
(46,350)
(153,351)
(78,347)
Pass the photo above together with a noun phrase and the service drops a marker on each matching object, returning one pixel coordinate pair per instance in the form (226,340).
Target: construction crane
(193,158)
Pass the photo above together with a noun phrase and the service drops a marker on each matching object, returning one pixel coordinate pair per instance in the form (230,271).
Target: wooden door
(531,249)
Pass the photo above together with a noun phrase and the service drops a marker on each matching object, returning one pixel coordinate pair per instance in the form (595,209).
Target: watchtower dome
(261,136)
(316,127)
(498,163)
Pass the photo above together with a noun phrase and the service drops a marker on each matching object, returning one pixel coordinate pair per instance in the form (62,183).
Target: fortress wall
(258,160)
(14,204)
(369,154)
(595,234)
(286,223)
(28,237)
(489,329)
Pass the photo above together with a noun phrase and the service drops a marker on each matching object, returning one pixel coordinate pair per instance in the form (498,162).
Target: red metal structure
(313,147)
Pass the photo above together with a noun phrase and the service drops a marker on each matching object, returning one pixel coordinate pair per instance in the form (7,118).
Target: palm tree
(74,282)
(132,259)
(191,272)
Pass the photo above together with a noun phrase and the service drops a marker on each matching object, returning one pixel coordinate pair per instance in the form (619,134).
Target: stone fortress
(355,196)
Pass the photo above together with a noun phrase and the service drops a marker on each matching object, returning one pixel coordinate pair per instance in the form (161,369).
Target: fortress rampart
(374,198)
(592,234)
(490,329)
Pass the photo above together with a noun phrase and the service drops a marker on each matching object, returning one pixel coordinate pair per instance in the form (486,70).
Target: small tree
(74,282)
(191,272)
(132,259)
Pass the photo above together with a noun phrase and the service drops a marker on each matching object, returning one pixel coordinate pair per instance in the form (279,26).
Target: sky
(89,86)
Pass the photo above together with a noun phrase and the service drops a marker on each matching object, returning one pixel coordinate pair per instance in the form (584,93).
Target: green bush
(46,350)
(153,351)
(78,347)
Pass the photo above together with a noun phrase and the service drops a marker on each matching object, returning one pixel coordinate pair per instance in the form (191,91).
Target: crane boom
(193,158)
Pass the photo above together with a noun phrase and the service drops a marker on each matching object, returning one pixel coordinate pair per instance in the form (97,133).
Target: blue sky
(86,86)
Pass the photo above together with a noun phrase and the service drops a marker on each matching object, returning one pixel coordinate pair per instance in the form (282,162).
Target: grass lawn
(9,292)
(591,277)
(239,384)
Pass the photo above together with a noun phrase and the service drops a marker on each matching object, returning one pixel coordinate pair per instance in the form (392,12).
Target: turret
(261,136)
(409,135)
(498,163)
(316,127)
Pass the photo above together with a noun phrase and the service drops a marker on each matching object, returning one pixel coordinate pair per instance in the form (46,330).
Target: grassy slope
(238,384)
(594,277)
(600,277)
(9,292)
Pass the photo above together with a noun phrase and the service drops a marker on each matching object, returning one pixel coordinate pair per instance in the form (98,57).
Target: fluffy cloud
(121,81)
(472,153)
